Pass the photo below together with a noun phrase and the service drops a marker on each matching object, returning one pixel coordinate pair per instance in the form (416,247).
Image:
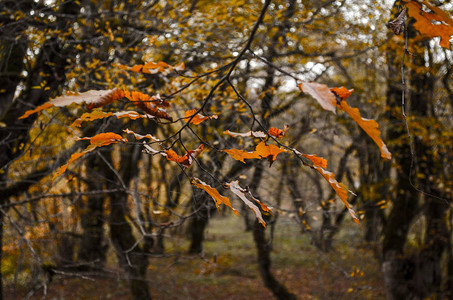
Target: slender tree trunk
(92,248)
(264,264)
(130,255)
(203,205)
(263,246)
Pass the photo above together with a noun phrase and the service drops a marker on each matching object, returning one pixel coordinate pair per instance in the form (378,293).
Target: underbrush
(227,269)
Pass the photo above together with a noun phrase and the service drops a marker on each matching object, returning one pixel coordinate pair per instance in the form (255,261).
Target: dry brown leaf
(242,194)
(321,93)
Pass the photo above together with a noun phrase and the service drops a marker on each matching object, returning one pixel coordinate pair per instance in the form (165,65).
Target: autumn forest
(197,149)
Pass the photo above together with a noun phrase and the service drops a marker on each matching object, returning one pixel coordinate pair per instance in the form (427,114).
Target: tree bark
(263,246)
(416,275)
(131,255)
(92,248)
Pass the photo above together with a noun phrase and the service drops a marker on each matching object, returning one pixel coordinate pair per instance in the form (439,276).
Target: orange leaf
(321,93)
(316,160)
(218,199)
(99,140)
(95,115)
(241,193)
(241,154)
(437,24)
(37,109)
(342,92)
(154,68)
(185,160)
(275,132)
(261,151)
(103,139)
(91,116)
(64,167)
(371,127)
(268,151)
(153,105)
(340,189)
(197,119)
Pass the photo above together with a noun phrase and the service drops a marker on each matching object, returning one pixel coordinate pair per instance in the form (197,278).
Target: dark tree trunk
(92,248)
(13,47)
(205,208)
(92,245)
(264,264)
(131,255)
(417,275)
(264,247)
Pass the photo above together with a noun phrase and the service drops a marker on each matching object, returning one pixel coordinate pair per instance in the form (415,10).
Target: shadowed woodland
(196,149)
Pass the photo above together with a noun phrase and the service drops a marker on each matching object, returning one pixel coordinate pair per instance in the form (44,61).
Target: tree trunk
(417,275)
(130,253)
(264,264)
(92,248)
(203,204)
(263,246)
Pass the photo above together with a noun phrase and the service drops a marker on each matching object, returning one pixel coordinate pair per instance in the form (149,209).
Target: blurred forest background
(123,224)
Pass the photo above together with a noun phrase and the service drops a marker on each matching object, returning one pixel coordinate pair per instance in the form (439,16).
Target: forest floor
(228,269)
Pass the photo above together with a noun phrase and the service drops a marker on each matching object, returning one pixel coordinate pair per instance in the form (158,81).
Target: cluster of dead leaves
(243,193)
(332,98)
(153,106)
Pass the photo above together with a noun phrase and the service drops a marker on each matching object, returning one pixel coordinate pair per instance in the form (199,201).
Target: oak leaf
(242,194)
(371,127)
(218,199)
(340,189)
(185,160)
(278,133)
(436,24)
(198,118)
(321,93)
